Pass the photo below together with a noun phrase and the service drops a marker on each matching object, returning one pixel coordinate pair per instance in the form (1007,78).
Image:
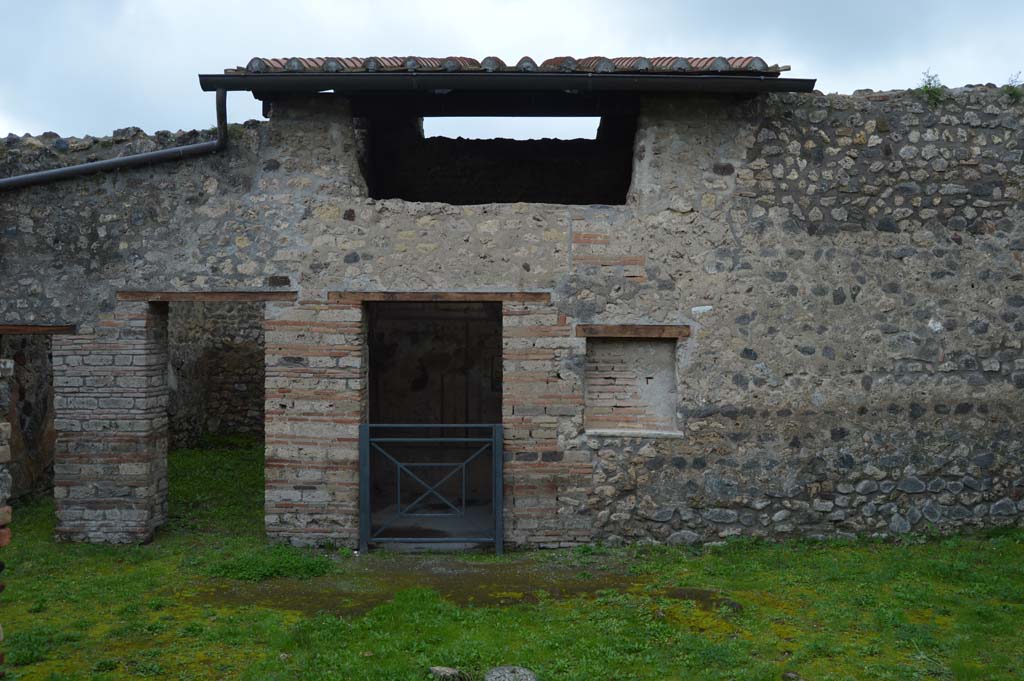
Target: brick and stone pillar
(110,399)
(546,481)
(315,381)
(6,376)
(6,373)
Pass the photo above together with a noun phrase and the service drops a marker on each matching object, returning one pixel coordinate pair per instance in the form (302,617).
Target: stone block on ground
(510,674)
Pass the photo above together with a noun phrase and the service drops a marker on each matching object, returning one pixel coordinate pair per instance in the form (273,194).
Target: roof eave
(362,82)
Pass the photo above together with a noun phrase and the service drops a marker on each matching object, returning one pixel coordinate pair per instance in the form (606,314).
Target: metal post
(498,450)
(364,487)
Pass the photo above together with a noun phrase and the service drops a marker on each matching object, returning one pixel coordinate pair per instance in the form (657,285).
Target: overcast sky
(89,66)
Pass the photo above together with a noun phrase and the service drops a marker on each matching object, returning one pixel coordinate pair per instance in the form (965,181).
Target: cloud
(90,66)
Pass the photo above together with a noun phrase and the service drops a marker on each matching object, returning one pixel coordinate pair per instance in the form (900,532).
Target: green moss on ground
(209,598)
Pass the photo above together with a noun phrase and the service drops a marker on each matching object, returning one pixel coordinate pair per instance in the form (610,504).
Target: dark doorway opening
(432,447)
(435,362)
(216,376)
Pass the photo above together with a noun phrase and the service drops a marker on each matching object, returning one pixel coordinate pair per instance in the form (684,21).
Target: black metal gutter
(404,81)
(133,161)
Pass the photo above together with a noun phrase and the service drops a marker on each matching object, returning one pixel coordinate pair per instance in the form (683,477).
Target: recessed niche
(630,384)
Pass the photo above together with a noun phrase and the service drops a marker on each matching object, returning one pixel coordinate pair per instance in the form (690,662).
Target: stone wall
(850,268)
(856,363)
(216,369)
(27,404)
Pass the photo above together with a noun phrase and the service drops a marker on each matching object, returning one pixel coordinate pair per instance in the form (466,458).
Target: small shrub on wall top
(1013,88)
(932,88)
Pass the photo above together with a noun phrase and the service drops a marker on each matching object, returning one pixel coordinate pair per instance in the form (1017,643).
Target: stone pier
(110,396)
(314,404)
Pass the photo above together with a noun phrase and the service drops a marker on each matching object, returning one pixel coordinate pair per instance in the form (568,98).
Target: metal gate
(430,483)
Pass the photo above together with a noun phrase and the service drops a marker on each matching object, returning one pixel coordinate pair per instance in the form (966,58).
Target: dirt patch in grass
(368,583)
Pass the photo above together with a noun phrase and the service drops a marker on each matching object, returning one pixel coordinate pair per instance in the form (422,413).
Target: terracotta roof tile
(696,65)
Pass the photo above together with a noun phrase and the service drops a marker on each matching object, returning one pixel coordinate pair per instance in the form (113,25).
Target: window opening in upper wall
(404,163)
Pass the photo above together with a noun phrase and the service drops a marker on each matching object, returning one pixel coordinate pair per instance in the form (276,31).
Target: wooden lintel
(52,330)
(437,296)
(632,331)
(206,296)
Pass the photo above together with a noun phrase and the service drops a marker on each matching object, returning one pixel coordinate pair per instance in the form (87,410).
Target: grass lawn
(209,599)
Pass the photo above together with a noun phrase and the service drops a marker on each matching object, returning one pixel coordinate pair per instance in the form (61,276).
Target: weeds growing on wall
(931,88)
(1013,89)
